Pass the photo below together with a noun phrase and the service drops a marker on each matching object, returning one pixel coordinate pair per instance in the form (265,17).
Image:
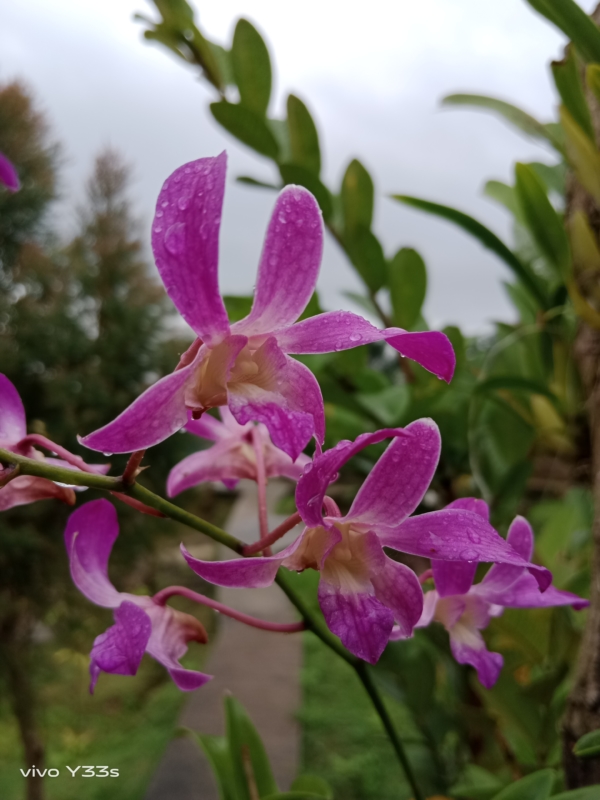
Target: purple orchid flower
(246,365)
(141,624)
(465,609)
(232,456)
(363,592)
(13,436)
(8,174)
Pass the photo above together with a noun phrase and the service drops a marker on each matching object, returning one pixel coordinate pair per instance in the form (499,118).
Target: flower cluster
(271,407)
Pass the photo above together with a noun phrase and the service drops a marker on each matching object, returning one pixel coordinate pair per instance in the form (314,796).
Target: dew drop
(175,238)
(107,455)
(469,555)
(282,219)
(159,213)
(165,203)
(355,337)
(183,203)
(474,537)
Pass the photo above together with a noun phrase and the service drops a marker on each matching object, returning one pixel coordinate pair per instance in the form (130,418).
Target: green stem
(40,469)
(367,681)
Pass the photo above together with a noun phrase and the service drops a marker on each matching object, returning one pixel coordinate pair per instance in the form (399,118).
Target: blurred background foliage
(514,421)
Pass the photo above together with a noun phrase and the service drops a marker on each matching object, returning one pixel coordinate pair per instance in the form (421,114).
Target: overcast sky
(371,72)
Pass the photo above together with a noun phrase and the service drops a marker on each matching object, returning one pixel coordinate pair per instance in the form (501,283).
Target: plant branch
(274,536)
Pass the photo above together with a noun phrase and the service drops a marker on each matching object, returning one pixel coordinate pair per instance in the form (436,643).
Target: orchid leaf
(553,175)
(515,116)
(366,254)
(294,795)
(572,20)
(407,281)
(567,78)
(588,746)
(237,306)
(357,196)
(279,129)
(505,195)
(304,139)
(248,755)
(586,253)
(582,154)
(292,173)
(476,783)
(484,236)
(536,786)
(388,405)
(585,793)
(250,181)
(247,126)
(217,752)
(314,785)
(543,222)
(251,67)
(592,79)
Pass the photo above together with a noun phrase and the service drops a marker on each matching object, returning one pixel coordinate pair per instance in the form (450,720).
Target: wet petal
(156,414)
(207,427)
(171,632)
(472,504)
(501,576)
(453,577)
(468,647)
(520,537)
(457,535)
(398,588)
(317,476)
(185,241)
(89,537)
(13,425)
(225,461)
(430,600)
(396,484)
(8,174)
(525,593)
(289,264)
(360,620)
(120,649)
(26,489)
(343,330)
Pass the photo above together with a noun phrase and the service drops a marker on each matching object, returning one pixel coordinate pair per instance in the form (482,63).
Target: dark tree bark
(583,706)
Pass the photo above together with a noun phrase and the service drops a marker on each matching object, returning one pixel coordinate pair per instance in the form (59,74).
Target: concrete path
(260,668)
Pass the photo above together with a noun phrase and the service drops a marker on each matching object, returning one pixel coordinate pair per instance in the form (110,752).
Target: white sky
(372,74)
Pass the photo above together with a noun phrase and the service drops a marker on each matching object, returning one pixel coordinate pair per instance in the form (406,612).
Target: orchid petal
(525,593)
(207,427)
(120,649)
(429,605)
(398,481)
(520,537)
(26,489)
(156,414)
(8,174)
(453,577)
(359,619)
(278,463)
(253,573)
(171,631)
(89,537)
(224,461)
(343,330)
(457,535)
(289,263)
(185,241)
(317,476)
(13,425)
(472,504)
(468,647)
(398,588)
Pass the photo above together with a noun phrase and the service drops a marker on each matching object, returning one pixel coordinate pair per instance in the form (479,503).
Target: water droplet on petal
(107,455)
(355,337)
(474,537)
(469,555)
(159,213)
(182,203)
(175,238)
(165,203)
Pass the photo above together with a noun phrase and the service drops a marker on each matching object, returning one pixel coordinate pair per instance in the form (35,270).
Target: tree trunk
(583,706)
(15,658)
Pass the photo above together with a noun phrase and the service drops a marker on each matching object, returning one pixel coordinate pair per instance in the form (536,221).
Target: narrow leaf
(572,20)
(586,793)
(314,784)
(247,751)
(304,139)
(514,383)
(250,181)
(246,126)
(567,78)
(586,253)
(582,154)
(357,196)
(366,254)
(515,116)
(588,746)
(291,173)
(543,222)
(251,67)
(536,786)
(484,236)
(505,195)
(592,78)
(407,281)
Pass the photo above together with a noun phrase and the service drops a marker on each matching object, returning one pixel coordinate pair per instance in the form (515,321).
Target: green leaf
(572,20)
(582,154)
(300,795)
(543,222)
(457,340)
(505,195)
(357,197)
(407,281)
(513,383)
(292,173)
(223,59)
(279,129)
(248,754)
(304,139)
(251,67)
(553,175)
(515,116)
(592,78)
(567,78)
(313,307)
(366,254)
(388,405)
(217,752)
(250,181)
(237,306)
(314,784)
(586,254)
(588,746)
(246,126)
(484,236)
(476,783)
(586,793)
(176,12)
(205,56)
(536,786)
